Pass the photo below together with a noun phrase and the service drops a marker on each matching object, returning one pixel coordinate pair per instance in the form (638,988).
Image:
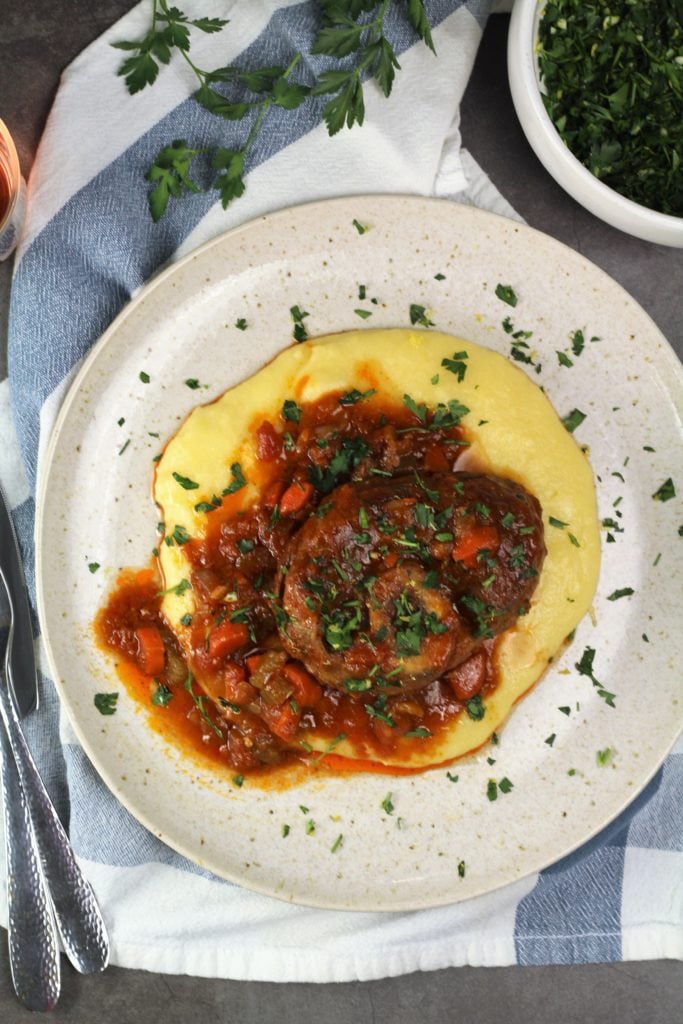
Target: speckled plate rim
(668,373)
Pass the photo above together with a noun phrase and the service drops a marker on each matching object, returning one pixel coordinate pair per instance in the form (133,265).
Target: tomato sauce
(228,687)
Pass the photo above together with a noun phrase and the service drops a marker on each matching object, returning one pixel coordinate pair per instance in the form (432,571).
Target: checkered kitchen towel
(88,245)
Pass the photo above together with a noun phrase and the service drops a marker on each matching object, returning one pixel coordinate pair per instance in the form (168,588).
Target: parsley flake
(106,703)
(506,293)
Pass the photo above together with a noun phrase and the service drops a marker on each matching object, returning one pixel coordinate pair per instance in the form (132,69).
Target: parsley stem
(267,104)
(201,75)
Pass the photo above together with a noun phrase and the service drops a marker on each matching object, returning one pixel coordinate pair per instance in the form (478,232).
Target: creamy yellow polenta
(521,438)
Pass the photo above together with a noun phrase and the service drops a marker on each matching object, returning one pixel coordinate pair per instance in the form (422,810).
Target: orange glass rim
(9,160)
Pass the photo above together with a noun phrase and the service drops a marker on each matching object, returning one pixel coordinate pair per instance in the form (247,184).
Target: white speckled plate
(95,506)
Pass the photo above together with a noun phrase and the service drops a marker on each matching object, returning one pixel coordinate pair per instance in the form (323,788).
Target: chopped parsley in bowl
(598,89)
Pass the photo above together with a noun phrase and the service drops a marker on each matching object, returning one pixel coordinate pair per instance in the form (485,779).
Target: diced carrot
(227,638)
(253,662)
(307,691)
(474,540)
(269,442)
(283,721)
(273,493)
(295,498)
(151,654)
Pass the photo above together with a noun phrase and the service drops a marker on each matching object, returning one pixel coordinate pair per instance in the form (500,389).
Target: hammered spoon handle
(31,931)
(79,921)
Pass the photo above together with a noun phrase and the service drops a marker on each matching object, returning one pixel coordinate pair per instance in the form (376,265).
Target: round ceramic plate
(95,506)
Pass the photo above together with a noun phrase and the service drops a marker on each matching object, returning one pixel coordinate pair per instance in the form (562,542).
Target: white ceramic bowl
(543,138)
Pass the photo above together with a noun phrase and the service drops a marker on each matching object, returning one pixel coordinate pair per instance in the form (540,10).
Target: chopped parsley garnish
(337,843)
(208,506)
(285,830)
(585,668)
(360,228)
(352,452)
(241,324)
(244,546)
(431,494)
(351,397)
(421,733)
(557,523)
(475,708)
(666,491)
(358,685)
(291,411)
(507,520)
(298,316)
(506,293)
(613,88)
(310,827)
(192,383)
(124,446)
(341,625)
(603,757)
(563,359)
(363,313)
(106,703)
(185,482)
(238,481)
(186,619)
(162,696)
(505,785)
(339,738)
(144,377)
(439,277)
(387,805)
(461,869)
(550,739)
(199,704)
(93,566)
(179,535)
(482,612)
(412,625)
(492,790)
(377,712)
(578,342)
(624,592)
(457,364)
(178,589)
(573,420)
(418,315)
(417,410)
(238,780)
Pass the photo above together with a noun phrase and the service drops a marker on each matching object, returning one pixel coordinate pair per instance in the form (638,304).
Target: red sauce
(234,694)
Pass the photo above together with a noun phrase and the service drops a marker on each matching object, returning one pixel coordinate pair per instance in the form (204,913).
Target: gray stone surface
(37,40)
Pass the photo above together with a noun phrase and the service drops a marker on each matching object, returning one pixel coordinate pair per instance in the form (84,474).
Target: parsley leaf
(666,491)
(506,293)
(418,315)
(106,703)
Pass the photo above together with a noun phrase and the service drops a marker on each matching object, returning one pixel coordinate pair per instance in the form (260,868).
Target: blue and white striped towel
(89,244)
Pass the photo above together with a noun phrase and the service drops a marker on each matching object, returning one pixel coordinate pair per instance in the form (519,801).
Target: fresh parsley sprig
(349,29)
(170,30)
